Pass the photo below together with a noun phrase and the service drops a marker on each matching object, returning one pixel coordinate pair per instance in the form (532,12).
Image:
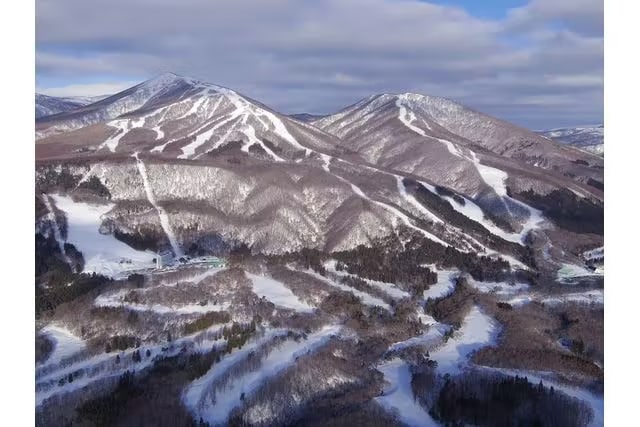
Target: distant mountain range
(588,138)
(306,117)
(48,105)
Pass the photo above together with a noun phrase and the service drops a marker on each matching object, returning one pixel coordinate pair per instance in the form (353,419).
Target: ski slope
(204,400)
(65,344)
(277,293)
(164,218)
(397,396)
(103,253)
(477,331)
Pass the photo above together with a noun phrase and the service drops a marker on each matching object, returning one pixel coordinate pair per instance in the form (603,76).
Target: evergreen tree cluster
(510,401)
(566,210)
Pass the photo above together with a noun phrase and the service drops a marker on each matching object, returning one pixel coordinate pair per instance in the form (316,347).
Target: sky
(536,63)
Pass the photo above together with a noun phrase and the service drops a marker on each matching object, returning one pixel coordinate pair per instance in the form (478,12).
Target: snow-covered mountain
(449,144)
(402,225)
(48,105)
(182,118)
(216,162)
(440,118)
(588,138)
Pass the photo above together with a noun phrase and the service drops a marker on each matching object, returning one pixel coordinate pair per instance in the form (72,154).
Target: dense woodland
(566,210)
(387,260)
(485,400)
(55,282)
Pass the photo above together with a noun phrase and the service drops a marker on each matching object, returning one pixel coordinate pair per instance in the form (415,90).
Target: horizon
(132,84)
(537,64)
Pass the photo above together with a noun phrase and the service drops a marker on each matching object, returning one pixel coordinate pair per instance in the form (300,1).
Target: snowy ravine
(164,218)
(402,189)
(201,397)
(398,397)
(407,117)
(103,253)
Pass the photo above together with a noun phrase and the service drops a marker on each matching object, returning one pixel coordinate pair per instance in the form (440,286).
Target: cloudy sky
(538,63)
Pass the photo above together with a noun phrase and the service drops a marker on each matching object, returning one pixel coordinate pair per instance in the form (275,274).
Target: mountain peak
(168,79)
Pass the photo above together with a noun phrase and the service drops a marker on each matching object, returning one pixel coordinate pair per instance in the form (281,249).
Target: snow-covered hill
(445,120)
(588,138)
(451,145)
(48,105)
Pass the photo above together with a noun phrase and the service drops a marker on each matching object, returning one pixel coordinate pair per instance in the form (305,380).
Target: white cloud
(320,56)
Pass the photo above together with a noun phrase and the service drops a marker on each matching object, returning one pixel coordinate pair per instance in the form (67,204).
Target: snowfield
(277,293)
(493,177)
(414,202)
(474,213)
(428,339)
(103,254)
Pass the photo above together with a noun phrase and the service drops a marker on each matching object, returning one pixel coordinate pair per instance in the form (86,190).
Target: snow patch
(65,344)
(443,287)
(277,293)
(362,296)
(398,397)
(477,331)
